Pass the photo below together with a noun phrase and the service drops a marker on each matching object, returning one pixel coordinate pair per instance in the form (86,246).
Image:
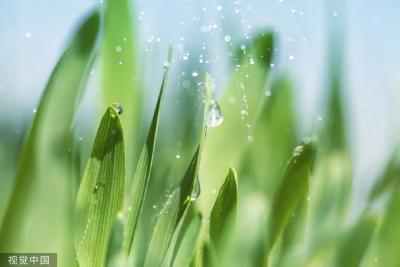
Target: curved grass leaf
(163,231)
(208,255)
(187,247)
(142,174)
(43,184)
(356,243)
(225,208)
(292,190)
(100,195)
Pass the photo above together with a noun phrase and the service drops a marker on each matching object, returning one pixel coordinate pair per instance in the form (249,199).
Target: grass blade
(224,211)
(100,195)
(45,155)
(163,231)
(187,247)
(120,81)
(389,178)
(292,190)
(115,257)
(142,174)
(356,242)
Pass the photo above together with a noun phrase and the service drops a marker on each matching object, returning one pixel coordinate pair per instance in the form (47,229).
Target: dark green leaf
(100,195)
(224,211)
(142,174)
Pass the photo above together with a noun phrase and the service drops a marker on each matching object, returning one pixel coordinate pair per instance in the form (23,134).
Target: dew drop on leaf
(118,108)
(214,116)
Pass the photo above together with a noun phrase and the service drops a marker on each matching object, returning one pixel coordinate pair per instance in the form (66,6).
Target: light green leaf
(115,257)
(292,190)
(120,74)
(100,195)
(163,230)
(185,250)
(224,211)
(43,184)
(356,242)
(389,178)
(140,181)
(208,255)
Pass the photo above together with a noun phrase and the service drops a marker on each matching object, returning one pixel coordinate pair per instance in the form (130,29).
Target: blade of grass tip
(224,211)
(208,255)
(115,257)
(142,174)
(48,144)
(389,177)
(292,190)
(120,79)
(163,230)
(100,195)
(188,194)
(355,245)
(187,247)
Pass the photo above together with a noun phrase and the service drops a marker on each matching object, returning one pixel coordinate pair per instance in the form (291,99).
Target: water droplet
(154,206)
(291,57)
(251,61)
(268,93)
(196,190)
(28,34)
(297,151)
(195,74)
(118,108)
(335,13)
(120,214)
(177,156)
(319,118)
(219,8)
(272,65)
(120,62)
(214,116)
(166,65)
(34,111)
(118,48)
(243,112)
(227,38)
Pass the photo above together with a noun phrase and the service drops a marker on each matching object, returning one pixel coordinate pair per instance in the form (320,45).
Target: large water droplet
(118,108)
(214,115)
(196,190)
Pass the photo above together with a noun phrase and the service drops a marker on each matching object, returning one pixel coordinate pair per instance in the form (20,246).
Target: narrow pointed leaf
(140,181)
(163,231)
(292,190)
(224,211)
(100,195)
(43,184)
(187,246)
(120,76)
(356,243)
(115,257)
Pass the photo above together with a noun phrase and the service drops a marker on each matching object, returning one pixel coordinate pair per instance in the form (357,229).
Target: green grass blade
(224,211)
(100,195)
(115,257)
(389,178)
(120,76)
(141,177)
(208,255)
(163,231)
(43,184)
(292,190)
(352,251)
(187,247)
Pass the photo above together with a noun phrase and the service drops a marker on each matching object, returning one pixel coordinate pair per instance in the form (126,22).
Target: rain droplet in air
(118,108)
(227,38)
(195,74)
(214,116)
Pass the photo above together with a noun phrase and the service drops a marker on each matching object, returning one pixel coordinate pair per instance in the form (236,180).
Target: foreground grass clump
(245,191)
